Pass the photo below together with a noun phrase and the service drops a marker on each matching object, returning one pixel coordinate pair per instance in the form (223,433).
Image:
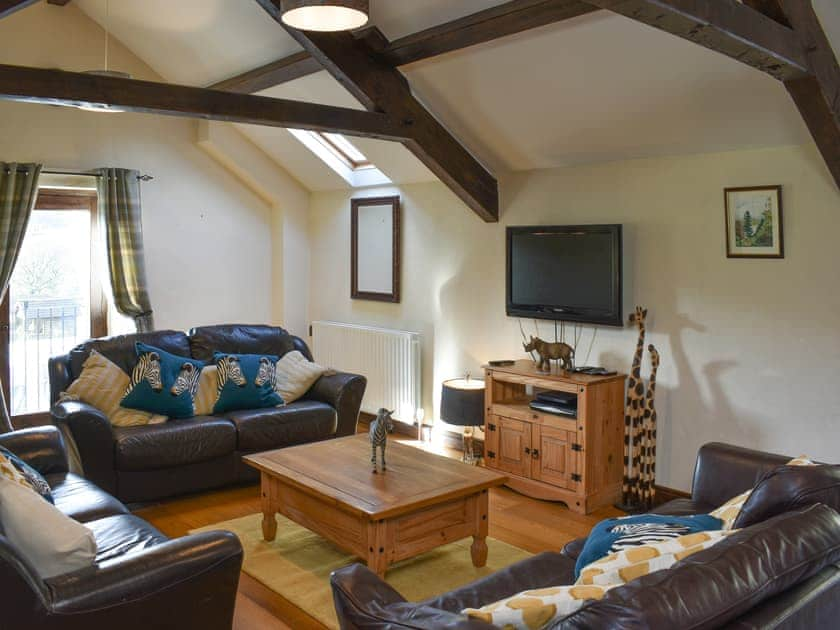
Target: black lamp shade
(462,402)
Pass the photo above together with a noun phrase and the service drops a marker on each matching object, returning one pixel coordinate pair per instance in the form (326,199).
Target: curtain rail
(142,177)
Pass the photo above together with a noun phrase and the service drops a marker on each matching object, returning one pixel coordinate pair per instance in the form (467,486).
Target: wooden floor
(526,523)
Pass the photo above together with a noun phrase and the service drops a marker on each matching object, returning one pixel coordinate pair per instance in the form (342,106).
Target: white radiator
(390,359)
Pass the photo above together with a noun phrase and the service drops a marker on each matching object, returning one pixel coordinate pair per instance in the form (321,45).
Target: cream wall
(208,238)
(750,349)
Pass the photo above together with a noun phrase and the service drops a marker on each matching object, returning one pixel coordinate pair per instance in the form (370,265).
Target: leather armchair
(168,584)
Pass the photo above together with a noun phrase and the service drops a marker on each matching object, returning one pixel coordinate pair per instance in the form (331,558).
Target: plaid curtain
(18,191)
(120,217)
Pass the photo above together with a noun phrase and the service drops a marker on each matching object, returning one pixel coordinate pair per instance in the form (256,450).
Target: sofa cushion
(15,469)
(174,443)
(102,384)
(790,488)
(717,585)
(122,534)
(239,339)
(295,375)
(163,383)
(52,542)
(246,381)
(264,429)
(81,499)
(120,349)
(683,507)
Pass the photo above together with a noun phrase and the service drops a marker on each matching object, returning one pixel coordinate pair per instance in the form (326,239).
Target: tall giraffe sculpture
(647,476)
(633,413)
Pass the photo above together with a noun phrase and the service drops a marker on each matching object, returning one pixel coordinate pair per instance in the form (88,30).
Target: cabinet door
(514,452)
(554,461)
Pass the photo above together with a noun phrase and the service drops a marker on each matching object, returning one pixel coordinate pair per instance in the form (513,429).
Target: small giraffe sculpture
(380,427)
(633,412)
(647,474)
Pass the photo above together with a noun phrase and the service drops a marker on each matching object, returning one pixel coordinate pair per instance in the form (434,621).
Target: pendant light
(325,15)
(105,72)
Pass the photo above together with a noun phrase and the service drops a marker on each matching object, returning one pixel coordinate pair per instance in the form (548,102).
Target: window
(342,156)
(54,301)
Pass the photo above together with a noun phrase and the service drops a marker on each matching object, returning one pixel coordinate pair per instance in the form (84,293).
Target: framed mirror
(375,249)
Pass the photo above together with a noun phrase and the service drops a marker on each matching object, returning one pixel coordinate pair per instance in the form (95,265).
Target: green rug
(298,563)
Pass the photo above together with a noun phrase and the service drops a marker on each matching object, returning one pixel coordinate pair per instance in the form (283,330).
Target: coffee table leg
(269,510)
(478,550)
(377,559)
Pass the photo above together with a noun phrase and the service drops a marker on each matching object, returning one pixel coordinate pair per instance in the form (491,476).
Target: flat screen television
(569,273)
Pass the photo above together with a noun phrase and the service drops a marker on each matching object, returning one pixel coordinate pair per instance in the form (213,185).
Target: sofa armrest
(60,378)
(363,600)
(200,570)
(723,471)
(40,447)
(94,440)
(344,393)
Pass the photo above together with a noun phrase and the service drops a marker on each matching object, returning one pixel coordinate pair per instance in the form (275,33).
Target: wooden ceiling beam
(57,87)
(817,97)
(770,8)
(509,18)
(379,86)
(725,26)
(7,7)
(59,3)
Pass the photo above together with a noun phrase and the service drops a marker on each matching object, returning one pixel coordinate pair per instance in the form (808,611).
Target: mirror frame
(355,204)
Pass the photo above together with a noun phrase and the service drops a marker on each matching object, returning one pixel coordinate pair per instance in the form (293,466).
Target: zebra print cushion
(163,383)
(618,534)
(246,381)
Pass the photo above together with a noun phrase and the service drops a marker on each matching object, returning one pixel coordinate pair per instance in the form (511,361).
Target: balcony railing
(41,328)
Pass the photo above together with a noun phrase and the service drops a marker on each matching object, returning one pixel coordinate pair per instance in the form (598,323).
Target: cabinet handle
(527,451)
(535,453)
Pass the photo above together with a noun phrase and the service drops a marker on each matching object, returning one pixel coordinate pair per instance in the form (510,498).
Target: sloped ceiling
(595,88)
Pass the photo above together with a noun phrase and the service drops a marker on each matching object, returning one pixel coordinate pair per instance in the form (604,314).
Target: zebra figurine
(379,429)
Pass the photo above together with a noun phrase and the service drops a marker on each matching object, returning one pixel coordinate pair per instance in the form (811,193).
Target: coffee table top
(339,470)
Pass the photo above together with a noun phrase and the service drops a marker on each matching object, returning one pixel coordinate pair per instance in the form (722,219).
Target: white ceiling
(592,89)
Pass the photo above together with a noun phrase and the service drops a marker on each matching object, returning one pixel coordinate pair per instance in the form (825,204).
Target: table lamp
(462,404)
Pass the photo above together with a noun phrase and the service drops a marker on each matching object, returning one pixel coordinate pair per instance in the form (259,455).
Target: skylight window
(341,156)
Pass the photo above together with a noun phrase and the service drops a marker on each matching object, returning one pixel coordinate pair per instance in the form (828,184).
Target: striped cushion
(295,375)
(103,384)
(208,391)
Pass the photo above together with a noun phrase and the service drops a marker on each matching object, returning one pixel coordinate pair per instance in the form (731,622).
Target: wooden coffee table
(421,502)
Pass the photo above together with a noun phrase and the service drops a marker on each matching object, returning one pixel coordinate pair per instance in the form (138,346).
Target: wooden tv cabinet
(575,460)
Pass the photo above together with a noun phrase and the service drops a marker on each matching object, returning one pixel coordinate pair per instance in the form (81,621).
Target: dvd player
(555,409)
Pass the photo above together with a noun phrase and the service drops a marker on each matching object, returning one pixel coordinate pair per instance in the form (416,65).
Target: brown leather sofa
(141,578)
(780,570)
(187,455)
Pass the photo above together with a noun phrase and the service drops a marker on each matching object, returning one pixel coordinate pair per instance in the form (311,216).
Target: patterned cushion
(15,469)
(208,391)
(729,511)
(295,375)
(163,383)
(615,534)
(102,384)
(533,609)
(246,381)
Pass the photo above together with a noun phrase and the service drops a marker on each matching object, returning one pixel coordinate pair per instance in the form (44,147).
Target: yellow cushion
(295,375)
(102,384)
(208,391)
(729,511)
(536,608)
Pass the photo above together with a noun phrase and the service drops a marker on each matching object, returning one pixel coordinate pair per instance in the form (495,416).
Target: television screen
(570,273)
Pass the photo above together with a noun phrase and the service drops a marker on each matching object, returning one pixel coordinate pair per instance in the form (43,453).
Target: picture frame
(375,235)
(754,222)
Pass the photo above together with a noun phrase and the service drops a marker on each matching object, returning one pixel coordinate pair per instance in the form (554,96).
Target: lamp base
(468,443)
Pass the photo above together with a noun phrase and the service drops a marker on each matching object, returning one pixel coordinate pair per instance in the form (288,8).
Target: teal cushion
(38,483)
(162,383)
(246,381)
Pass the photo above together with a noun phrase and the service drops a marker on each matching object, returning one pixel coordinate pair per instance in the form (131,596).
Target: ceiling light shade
(325,15)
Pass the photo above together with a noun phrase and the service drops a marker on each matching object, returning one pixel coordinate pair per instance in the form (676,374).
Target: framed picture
(375,249)
(754,222)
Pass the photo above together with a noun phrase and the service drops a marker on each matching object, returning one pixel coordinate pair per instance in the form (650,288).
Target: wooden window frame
(57,199)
